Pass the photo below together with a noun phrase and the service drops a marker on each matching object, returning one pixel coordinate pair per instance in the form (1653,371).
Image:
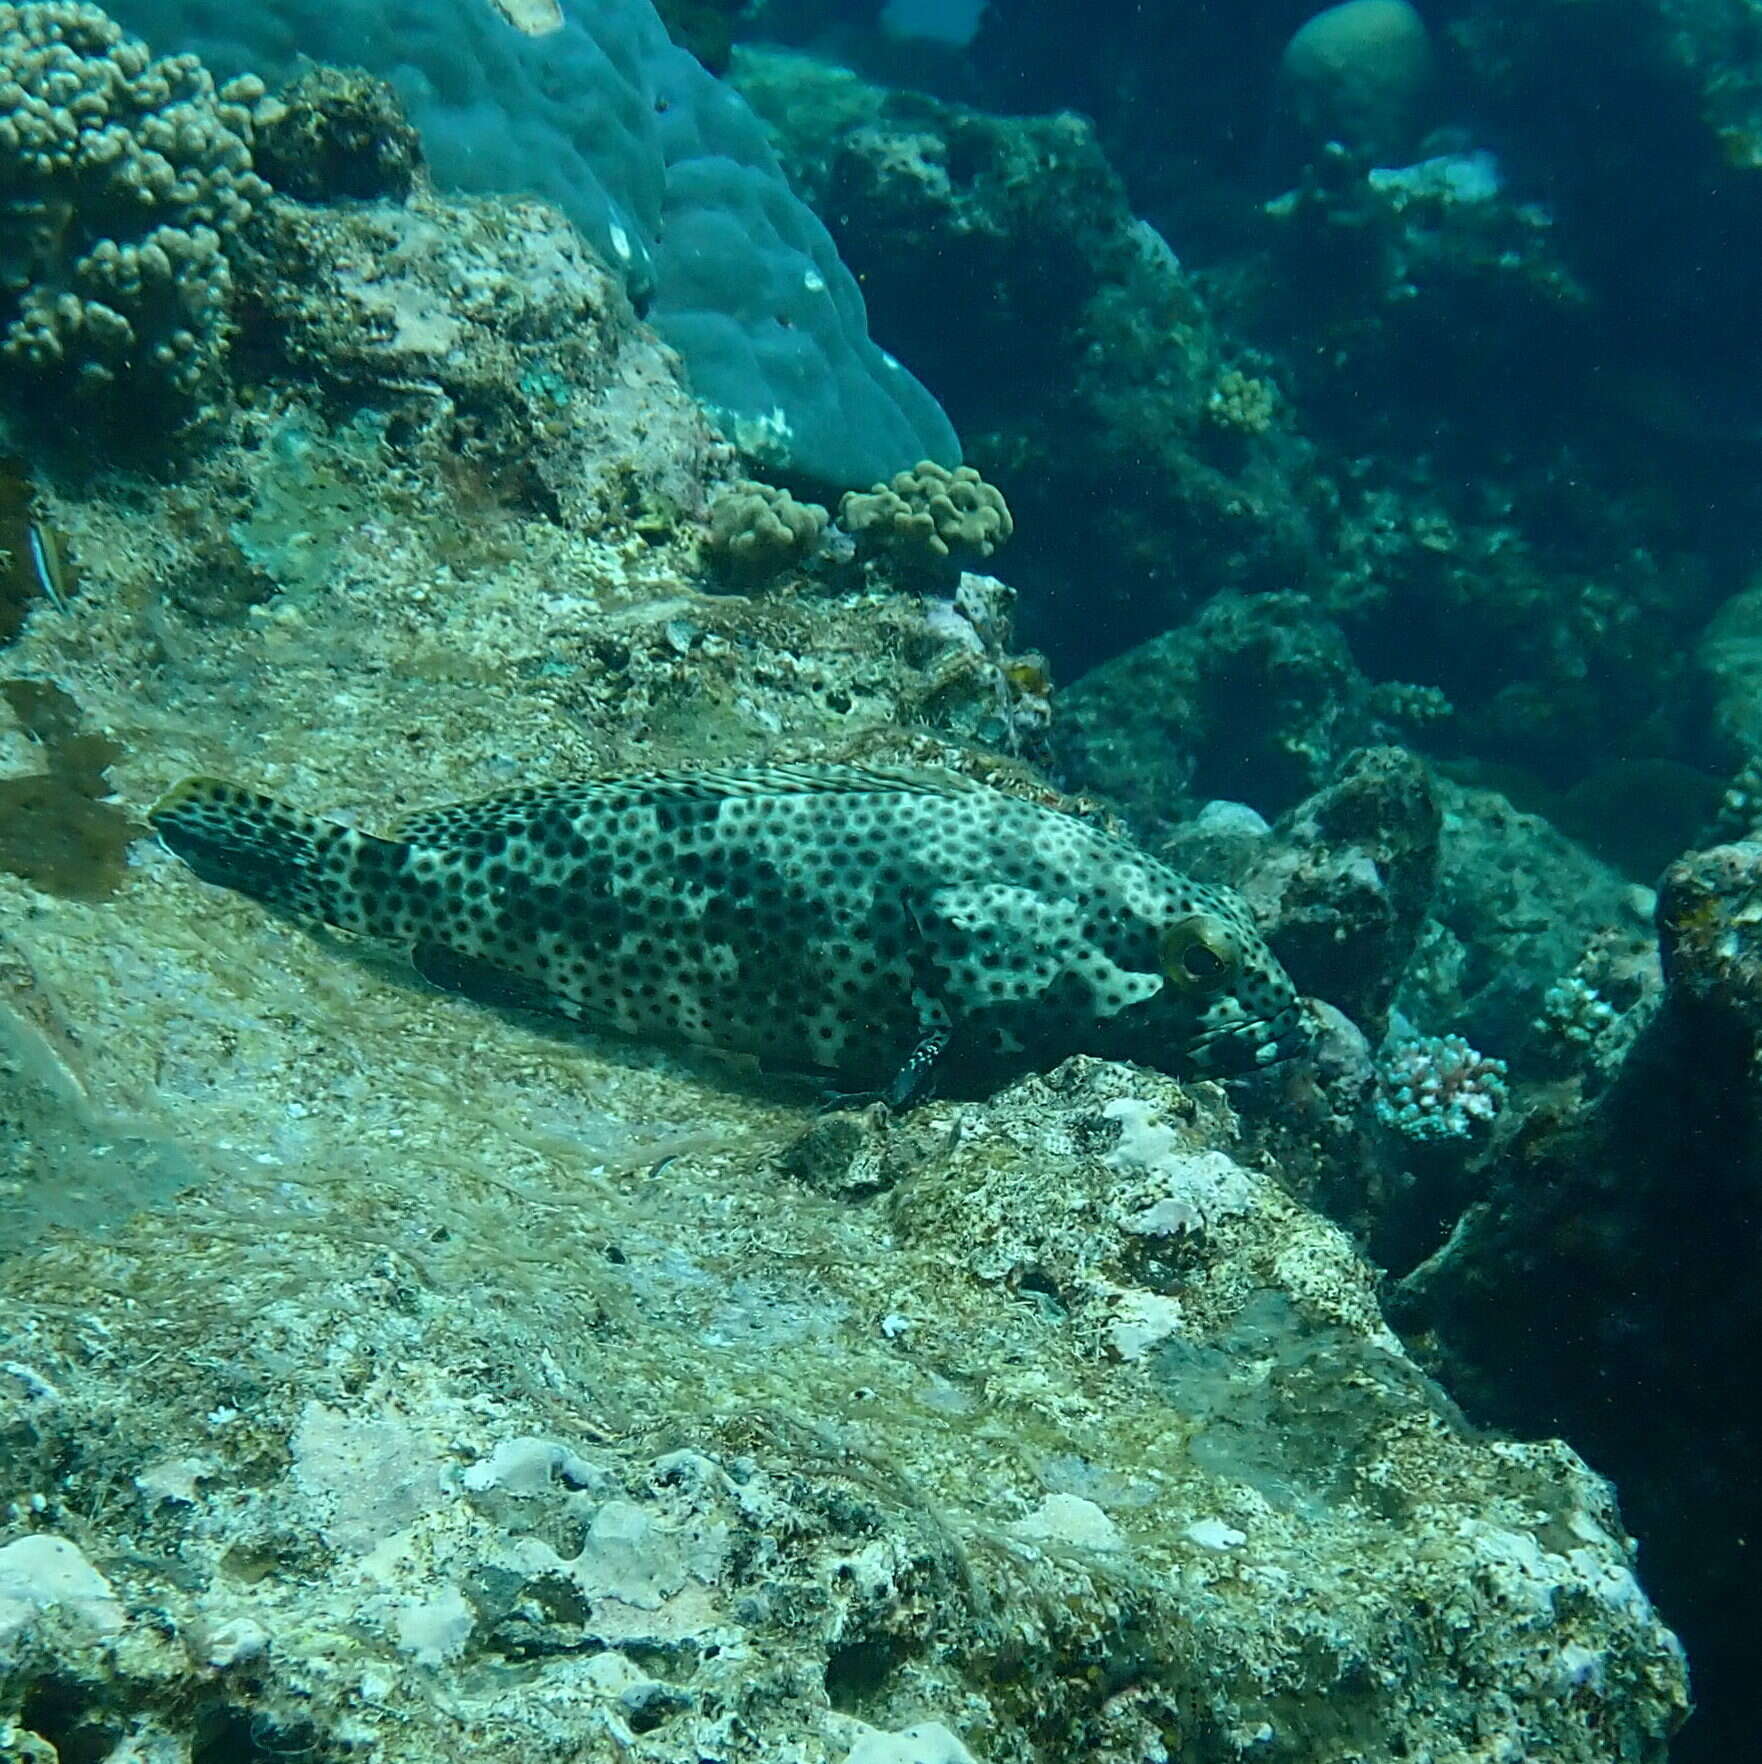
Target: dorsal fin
(628,790)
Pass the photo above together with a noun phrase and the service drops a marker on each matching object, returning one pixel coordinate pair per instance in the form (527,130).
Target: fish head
(1225,1004)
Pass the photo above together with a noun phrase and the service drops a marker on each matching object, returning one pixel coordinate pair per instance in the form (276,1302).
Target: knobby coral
(927,519)
(1437,1087)
(123,179)
(1241,405)
(757,531)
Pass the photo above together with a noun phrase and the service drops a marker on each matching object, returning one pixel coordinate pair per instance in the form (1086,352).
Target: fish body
(868,924)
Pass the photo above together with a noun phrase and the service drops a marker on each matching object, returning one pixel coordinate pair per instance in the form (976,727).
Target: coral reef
(519,1389)
(1647,141)
(1367,389)
(1644,141)
(757,531)
(1199,1428)
(1472,517)
(1620,1219)
(381,1377)
(1250,428)
(662,168)
(1120,460)
(1489,410)
(127,181)
(928,522)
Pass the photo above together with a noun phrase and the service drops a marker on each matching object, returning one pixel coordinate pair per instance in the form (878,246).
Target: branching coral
(1436,1087)
(122,181)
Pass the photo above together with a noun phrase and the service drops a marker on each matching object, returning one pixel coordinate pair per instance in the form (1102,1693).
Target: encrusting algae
(57,831)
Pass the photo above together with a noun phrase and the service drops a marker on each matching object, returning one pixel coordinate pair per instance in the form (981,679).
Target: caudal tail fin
(237,839)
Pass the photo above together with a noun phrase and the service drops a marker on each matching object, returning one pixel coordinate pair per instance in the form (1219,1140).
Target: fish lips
(1251,1044)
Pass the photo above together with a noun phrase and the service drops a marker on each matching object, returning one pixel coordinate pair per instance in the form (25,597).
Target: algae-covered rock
(1257,699)
(493,341)
(1728,658)
(764,1469)
(1349,879)
(336,134)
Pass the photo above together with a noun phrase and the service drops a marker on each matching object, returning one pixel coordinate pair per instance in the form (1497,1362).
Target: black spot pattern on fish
(822,917)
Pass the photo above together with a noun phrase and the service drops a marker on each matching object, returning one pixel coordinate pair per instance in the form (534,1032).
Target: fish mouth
(1250,1044)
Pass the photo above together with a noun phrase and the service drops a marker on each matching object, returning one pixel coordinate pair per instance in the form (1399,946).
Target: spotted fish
(878,926)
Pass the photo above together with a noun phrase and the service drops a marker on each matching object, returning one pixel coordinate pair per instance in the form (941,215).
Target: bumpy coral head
(1226,1005)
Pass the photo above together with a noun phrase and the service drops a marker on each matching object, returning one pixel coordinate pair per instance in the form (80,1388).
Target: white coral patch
(1201,1188)
(1071,1520)
(40,1573)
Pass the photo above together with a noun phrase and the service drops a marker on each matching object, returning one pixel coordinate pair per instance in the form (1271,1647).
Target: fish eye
(1199,953)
